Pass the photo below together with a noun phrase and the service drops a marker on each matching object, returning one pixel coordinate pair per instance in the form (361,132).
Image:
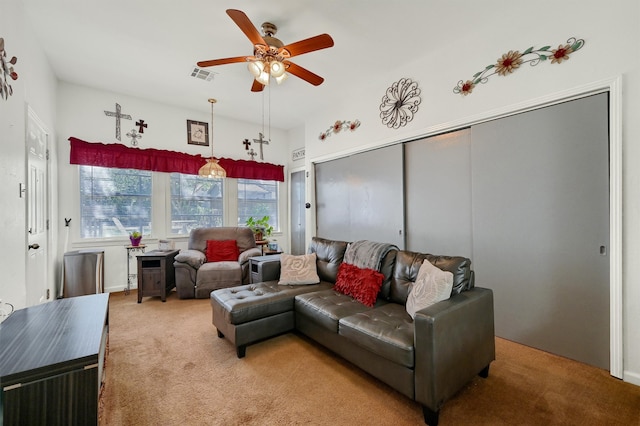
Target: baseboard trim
(631,377)
(117,289)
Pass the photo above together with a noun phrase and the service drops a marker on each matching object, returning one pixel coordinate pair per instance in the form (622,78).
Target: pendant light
(212,169)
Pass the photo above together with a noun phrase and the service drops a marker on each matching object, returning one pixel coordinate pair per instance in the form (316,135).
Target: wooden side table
(261,244)
(156,275)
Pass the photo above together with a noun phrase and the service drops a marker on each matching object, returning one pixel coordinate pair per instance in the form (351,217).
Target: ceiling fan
(270,56)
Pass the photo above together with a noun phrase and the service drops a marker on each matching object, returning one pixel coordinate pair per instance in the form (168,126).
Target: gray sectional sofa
(428,358)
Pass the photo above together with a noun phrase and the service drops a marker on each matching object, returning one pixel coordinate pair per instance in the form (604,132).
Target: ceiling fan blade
(246,26)
(256,86)
(223,61)
(307,45)
(304,73)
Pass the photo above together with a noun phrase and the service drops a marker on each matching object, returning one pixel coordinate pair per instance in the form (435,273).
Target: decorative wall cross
(246,144)
(252,154)
(261,141)
(141,125)
(134,137)
(118,115)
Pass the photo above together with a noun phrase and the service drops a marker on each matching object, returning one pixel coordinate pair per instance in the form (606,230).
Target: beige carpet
(166,366)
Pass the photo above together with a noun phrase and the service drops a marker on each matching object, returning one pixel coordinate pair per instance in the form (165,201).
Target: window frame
(80,230)
(161,212)
(276,202)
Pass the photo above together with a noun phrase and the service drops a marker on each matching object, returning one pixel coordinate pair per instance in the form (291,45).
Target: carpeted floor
(166,366)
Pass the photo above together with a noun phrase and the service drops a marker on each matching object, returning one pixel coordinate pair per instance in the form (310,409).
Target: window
(196,202)
(258,198)
(114,202)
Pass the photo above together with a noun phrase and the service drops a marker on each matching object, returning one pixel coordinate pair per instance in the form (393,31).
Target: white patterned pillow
(432,285)
(298,270)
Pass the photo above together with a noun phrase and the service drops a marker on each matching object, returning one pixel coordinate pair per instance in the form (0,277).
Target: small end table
(264,268)
(156,275)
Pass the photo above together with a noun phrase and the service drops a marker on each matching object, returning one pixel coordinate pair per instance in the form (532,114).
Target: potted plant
(135,238)
(260,227)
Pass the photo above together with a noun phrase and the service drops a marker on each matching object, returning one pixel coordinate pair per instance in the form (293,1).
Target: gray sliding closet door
(360,197)
(438,188)
(540,197)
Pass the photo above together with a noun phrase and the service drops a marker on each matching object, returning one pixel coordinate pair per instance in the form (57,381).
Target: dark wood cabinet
(51,362)
(156,275)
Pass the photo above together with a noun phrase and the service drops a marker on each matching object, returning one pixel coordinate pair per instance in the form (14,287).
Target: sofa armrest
(454,341)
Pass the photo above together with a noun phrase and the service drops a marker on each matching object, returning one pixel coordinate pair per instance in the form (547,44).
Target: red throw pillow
(361,284)
(222,250)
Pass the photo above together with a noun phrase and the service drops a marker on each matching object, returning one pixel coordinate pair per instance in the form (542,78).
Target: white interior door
(37,210)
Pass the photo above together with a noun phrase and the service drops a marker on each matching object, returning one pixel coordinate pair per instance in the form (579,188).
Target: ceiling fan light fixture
(277,68)
(282,78)
(270,55)
(255,68)
(263,78)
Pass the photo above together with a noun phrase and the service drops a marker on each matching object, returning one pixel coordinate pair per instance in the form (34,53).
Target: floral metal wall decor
(338,126)
(511,61)
(400,103)
(7,72)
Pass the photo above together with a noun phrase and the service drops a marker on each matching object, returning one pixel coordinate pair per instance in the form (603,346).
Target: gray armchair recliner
(196,278)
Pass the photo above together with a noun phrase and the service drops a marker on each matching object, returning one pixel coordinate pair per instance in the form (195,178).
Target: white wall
(611,31)
(81,115)
(36,86)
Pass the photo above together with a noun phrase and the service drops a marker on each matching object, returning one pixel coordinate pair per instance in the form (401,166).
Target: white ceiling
(147,48)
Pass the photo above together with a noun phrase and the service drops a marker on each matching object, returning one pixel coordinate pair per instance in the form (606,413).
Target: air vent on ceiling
(202,74)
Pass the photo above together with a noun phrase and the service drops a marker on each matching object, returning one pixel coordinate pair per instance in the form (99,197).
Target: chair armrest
(185,276)
(252,252)
(193,258)
(454,340)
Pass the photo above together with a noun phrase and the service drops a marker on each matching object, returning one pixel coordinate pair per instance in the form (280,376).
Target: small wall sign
(298,154)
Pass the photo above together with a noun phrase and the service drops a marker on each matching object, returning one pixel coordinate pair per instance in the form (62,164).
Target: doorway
(38,236)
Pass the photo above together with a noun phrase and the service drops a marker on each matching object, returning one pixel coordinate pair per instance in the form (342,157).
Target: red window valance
(159,160)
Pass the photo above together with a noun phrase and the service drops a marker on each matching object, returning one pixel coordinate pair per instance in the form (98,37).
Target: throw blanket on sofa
(367,254)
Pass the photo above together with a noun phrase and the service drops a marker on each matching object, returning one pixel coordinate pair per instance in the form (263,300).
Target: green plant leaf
(490,66)
(545,48)
(477,74)
(526,52)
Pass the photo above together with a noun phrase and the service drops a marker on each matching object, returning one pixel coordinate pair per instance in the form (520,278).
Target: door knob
(34,246)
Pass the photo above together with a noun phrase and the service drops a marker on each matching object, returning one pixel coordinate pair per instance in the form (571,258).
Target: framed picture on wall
(197,133)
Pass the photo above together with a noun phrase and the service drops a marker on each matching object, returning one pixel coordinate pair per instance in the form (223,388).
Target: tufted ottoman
(250,313)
